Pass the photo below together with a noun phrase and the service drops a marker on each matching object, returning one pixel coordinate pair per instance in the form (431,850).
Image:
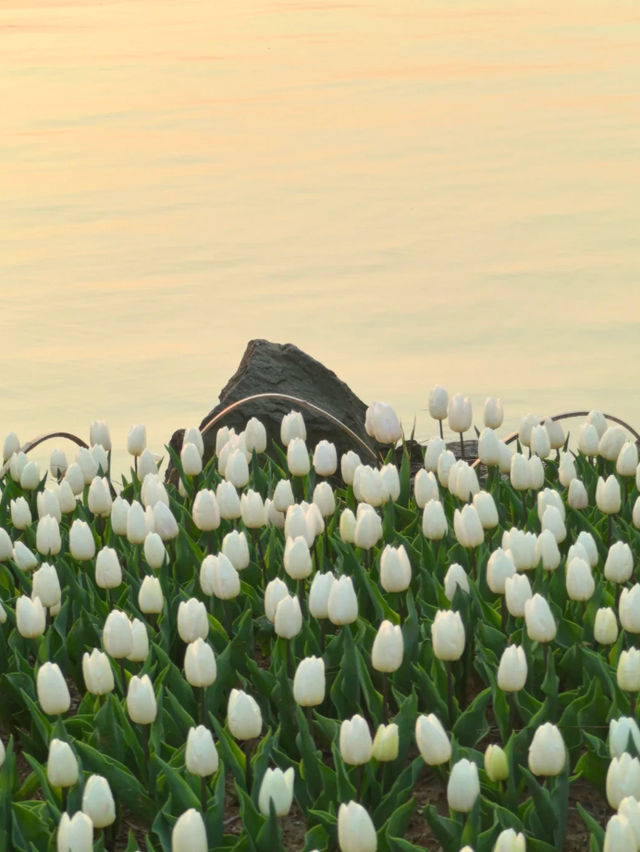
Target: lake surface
(413,192)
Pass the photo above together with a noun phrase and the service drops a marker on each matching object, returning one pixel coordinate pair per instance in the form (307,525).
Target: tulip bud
(356,831)
(87,464)
(205,512)
(81,542)
(30,476)
(517,591)
(438,402)
(200,664)
(577,497)
(48,503)
(499,566)
(368,529)
(201,756)
(30,617)
(75,834)
(489,448)
(189,833)
(218,577)
(297,558)
(192,620)
(519,472)
(237,469)
(228,503)
(23,557)
(552,520)
(292,426)
(236,548)
(629,609)
(108,570)
(119,516)
(627,461)
(356,744)
(347,526)
(386,743)
(62,766)
(276,787)
(547,551)
(252,508)
(325,458)
(395,569)
(11,446)
(97,801)
(493,413)
(140,642)
(287,622)
(539,441)
(243,715)
(463,787)
(611,442)
(456,577)
(468,527)
(388,648)
(349,462)
(509,841)
(628,671)
(319,594)
(190,459)
(309,682)
(141,700)
(622,731)
(20,513)
(608,496)
(623,779)
(547,752)
(97,673)
(618,566)
(154,551)
(579,580)
(342,605)
(459,413)
(136,440)
(46,585)
(526,425)
(446,461)
(150,597)
(435,448)
(255,436)
(298,457)
(17,463)
(630,809)
(588,440)
(48,541)
(495,763)
(485,506)
(381,422)
(99,498)
(447,635)
(541,626)
(117,637)
(52,689)
(566,469)
(605,628)
(555,433)
(512,671)
(425,488)
(619,835)
(432,740)
(434,521)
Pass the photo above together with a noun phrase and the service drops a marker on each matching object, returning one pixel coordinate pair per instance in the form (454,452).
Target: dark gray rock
(283,368)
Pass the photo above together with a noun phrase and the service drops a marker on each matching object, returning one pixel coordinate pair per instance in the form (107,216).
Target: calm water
(413,192)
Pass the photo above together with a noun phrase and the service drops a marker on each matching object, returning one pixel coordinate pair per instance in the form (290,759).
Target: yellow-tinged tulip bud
(605,627)
(495,763)
(75,833)
(463,787)
(619,835)
(356,831)
(355,741)
(386,743)
(623,779)
(628,671)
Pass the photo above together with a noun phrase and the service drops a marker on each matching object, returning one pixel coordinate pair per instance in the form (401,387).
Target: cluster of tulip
(310,627)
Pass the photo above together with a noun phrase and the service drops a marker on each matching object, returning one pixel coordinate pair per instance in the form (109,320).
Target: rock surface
(283,368)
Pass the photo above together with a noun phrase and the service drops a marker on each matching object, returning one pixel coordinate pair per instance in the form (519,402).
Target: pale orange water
(413,192)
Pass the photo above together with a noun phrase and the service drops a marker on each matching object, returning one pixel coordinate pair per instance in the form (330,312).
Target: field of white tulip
(292,650)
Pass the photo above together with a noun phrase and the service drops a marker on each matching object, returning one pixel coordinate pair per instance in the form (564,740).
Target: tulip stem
(248,750)
(461,446)
(523,495)
(203,794)
(609,526)
(301,595)
(447,666)
(228,622)
(634,699)
(441,430)
(385,698)
(359,774)
(65,794)
(122,676)
(203,706)
(287,658)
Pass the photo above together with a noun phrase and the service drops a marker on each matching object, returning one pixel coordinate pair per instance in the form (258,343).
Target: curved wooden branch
(40,440)
(566,416)
(297,401)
